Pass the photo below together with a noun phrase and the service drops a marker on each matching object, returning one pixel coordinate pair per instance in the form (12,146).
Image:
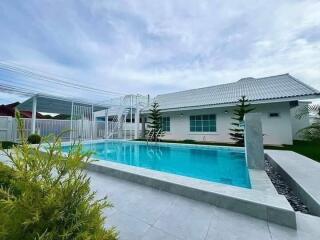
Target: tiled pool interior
(217,164)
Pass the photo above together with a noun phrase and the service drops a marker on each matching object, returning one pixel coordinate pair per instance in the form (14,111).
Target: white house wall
(277,130)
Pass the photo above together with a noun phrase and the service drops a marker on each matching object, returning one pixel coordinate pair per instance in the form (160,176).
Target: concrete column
(254,141)
(34,115)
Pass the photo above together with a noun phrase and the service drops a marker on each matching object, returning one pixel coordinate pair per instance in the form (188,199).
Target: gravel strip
(283,189)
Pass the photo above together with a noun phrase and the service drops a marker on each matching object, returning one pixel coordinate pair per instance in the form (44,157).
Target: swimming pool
(216,164)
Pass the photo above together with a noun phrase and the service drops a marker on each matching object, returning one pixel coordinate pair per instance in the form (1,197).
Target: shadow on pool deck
(145,213)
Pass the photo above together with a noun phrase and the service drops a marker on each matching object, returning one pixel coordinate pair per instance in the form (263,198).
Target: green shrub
(34,139)
(56,202)
(7,144)
(188,141)
(6,174)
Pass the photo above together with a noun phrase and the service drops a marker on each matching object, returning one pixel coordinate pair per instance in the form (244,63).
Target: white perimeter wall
(277,130)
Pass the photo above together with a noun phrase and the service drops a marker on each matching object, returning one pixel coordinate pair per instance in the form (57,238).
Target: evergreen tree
(154,124)
(46,194)
(237,132)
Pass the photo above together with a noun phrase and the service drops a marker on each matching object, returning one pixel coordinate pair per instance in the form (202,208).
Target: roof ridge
(251,78)
(187,90)
(277,75)
(304,84)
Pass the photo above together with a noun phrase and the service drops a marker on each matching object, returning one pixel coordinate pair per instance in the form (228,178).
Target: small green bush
(7,144)
(34,139)
(47,196)
(6,175)
(189,141)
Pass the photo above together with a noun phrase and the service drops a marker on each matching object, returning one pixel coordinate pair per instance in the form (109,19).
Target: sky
(153,47)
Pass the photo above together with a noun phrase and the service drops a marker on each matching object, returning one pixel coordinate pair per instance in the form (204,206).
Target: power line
(37,76)
(14,90)
(29,93)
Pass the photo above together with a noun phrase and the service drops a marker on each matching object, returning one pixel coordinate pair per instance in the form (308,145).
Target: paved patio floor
(145,213)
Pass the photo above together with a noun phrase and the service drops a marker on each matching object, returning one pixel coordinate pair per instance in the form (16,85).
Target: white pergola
(52,104)
(53,94)
(58,105)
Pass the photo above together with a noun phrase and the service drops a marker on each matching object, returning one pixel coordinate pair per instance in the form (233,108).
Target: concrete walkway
(145,213)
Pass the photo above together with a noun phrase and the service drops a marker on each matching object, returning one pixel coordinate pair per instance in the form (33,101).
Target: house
(10,109)
(204,114)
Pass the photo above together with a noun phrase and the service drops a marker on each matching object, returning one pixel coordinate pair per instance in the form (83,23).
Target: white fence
(84,128)
(45,127)
(6,124)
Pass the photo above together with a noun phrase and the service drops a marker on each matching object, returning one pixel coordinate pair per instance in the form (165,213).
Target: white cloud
(161,46)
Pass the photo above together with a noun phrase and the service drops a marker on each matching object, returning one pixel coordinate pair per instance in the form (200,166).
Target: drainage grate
(283,189)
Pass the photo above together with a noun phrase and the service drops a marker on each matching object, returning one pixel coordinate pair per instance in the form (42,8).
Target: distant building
(9,110)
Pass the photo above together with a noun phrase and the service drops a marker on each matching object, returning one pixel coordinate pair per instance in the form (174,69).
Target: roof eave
(263,101)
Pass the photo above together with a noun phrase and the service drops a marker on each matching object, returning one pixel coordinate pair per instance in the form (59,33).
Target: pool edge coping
(271,206)
(260,203)
(265,205)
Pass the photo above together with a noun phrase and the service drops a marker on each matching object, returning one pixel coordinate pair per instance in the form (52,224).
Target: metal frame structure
(128,106)
(63,99)
(83,115)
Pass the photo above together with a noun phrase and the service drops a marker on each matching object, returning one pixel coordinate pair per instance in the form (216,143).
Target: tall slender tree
(237,132)
(154,123)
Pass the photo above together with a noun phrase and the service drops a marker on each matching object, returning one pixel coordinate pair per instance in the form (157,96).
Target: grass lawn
(306,148)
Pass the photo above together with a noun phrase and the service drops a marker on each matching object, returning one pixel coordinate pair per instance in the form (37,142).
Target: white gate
(82,122)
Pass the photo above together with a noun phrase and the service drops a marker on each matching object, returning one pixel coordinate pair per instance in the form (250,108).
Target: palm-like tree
(311,132)
(313,109)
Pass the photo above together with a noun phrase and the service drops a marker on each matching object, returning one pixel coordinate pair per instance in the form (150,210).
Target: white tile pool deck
(144,213)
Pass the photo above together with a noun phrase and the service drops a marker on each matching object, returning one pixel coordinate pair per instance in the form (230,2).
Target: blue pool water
(216,164)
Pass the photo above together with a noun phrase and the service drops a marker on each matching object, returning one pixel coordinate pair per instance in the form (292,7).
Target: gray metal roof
(255,89)
(51,104)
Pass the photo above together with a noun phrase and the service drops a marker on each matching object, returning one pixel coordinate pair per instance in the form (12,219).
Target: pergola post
(125,126)
(136,119)
(93,121)
(106,124)
(71,122)
(34,115)
(131,109)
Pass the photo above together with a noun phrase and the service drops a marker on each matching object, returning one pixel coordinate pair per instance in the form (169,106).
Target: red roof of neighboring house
(9,110)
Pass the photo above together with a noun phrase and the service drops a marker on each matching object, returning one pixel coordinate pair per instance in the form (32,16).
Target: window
(165,124)
(203,123)
(273,115)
